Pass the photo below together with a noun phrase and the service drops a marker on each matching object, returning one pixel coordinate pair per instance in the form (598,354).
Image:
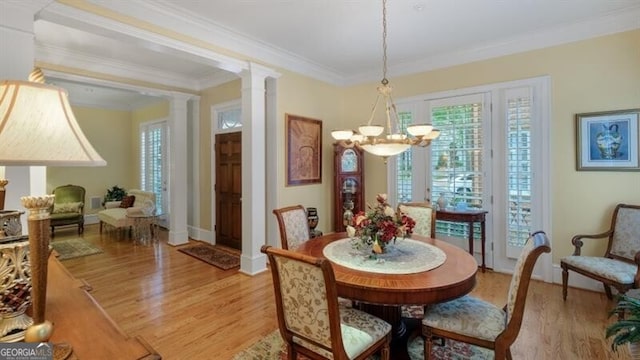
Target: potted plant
(627,329)
(116,193)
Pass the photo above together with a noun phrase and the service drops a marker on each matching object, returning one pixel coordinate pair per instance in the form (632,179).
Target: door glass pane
(404,178)
(456,156)
(518,170)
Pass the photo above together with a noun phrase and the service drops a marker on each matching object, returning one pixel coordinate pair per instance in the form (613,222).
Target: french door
(153,165)
(492,153)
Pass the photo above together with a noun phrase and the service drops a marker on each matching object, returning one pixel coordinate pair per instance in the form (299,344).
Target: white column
(193,220)
(254,173)
(17,40)
(178,183)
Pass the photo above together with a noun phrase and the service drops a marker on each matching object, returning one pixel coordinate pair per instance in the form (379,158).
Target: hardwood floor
(187,309)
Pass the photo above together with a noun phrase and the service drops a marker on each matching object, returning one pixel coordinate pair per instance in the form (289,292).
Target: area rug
(225,260)
(272,348)
(74,248)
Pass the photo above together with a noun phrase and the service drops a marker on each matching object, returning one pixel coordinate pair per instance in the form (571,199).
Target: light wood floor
(187,309)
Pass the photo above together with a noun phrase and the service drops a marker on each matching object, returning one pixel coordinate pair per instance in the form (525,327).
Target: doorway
(228,189)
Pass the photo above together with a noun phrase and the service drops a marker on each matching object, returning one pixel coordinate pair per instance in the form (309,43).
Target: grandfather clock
(348,185)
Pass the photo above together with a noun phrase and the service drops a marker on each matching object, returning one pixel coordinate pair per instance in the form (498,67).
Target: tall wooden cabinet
(348,184)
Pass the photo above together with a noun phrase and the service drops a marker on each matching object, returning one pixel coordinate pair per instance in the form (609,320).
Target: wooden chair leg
(100,227)
(565,282)
(607,290)
(384,353)
(428,344)
(52,232)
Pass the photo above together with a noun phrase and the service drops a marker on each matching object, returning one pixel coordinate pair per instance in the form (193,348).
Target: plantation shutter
(152,143)
(519,170)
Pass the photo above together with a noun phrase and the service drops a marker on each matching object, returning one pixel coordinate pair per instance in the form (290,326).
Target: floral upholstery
(306,311)
(359,331)
(517,276)
(297,228)
(626,237)
(615,270)
(477,322)
(468,316)
(421,215)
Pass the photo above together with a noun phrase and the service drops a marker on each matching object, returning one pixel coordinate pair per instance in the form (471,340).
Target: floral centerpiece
(379,226)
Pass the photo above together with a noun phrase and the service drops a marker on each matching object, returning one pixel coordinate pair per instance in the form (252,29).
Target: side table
(143,228)
(469,217)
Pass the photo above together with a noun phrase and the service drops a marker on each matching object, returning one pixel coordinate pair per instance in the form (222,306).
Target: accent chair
(68,207)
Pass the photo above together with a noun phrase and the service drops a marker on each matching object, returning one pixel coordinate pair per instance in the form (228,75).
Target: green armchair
(68,207)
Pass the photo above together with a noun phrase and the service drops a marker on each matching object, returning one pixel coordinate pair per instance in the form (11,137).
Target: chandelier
(396,140)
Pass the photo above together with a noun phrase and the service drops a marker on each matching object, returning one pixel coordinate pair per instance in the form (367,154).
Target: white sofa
(143,206)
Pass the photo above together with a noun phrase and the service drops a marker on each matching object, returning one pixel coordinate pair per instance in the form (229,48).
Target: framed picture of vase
(608,141)
(304,150)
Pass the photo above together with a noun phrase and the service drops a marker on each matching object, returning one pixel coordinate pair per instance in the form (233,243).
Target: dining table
(425,271)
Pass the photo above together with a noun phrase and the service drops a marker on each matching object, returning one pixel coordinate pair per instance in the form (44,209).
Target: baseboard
(200,234)
(576,280)
(253,266)
(91,219)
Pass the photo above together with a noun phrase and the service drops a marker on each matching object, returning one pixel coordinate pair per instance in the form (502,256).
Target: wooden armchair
(310,320)
(477,322)
(423,214)
(620,265)
(293,225)
(68,207)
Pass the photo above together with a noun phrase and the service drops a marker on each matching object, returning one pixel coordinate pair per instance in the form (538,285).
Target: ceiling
(337,41)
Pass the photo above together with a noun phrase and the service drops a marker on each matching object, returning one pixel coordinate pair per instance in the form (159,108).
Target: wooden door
(228,190)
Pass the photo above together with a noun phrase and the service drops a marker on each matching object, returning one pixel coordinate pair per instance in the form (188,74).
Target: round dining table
(383,294)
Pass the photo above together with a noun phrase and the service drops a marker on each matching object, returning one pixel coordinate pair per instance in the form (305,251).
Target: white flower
(388,211)
(351,231)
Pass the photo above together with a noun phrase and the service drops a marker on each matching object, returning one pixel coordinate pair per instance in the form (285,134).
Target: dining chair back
(423,214)
(620,265)
(293,225)
(310,320)
(480,323)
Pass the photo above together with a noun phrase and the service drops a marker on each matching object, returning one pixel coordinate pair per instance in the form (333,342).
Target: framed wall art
(304,150)
(608,141)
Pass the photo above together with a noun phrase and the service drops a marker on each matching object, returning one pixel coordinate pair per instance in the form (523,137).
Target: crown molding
(610,24)
(168,16)
(96,24)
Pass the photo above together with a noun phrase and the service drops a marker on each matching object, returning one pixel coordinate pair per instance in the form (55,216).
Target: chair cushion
(359,331)
(626,237)
(421,215)
(297,228)
(115,216)
(70,207)
(615,270)
(468,316)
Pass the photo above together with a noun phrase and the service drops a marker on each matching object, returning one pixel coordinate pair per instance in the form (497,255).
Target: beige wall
(593,75)
(109,131)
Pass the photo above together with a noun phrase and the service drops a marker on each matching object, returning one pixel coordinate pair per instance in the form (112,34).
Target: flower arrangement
(379,226)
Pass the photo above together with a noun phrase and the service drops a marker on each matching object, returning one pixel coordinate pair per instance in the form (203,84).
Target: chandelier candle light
(396,140)
(38,128)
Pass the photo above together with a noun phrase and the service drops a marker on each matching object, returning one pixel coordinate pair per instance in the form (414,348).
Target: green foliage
(116,193)
(625,330)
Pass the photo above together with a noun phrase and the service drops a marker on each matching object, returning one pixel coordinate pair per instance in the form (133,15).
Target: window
(153,137)
(227,116)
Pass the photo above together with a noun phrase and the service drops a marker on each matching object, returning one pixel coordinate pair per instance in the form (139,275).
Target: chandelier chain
(384,43)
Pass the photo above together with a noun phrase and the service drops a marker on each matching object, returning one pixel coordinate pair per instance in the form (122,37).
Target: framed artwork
(304,150)
(608,141)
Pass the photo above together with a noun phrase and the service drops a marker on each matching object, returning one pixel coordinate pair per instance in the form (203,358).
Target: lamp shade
(37,127)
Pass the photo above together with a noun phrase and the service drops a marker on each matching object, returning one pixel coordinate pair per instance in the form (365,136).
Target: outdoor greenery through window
(457,161)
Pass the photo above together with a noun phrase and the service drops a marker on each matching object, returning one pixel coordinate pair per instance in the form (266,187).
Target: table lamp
(38,128)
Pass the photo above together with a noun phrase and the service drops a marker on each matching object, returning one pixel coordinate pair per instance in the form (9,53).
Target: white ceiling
(338,41)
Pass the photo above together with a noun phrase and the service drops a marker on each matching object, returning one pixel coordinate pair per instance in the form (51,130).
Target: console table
(79,321)
(469,217)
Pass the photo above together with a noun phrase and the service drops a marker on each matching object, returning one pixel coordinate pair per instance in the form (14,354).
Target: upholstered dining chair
(477,322)
(620,265)
(310,320)
(68,207)
(293,225)
(423,214)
